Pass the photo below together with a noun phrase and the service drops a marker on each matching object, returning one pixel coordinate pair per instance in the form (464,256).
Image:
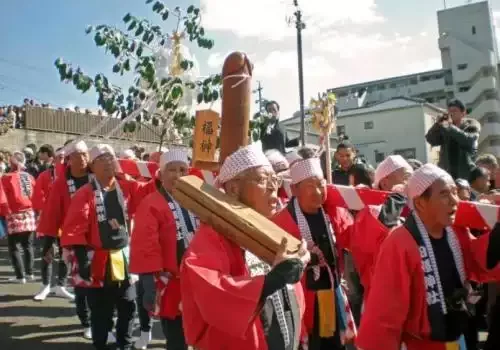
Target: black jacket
(459,143)
(276,139)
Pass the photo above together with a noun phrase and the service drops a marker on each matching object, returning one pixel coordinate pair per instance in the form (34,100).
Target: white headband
(423,178)
(100,150)
(245,158)
(304,169)
(174,155)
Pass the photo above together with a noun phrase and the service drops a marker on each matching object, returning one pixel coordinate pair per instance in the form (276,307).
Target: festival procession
(236,231)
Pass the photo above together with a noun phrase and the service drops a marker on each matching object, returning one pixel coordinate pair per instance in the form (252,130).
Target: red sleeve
(388,303)
(52,214)
(343,223)
(41,190)
(225,302)
(145,245)
(474,252)
(367,236)
(76,227)
(4,206)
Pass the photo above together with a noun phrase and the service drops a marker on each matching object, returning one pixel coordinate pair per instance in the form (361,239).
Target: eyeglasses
(271,181)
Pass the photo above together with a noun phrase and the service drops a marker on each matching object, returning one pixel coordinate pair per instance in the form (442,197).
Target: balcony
(486,106)
(66,122)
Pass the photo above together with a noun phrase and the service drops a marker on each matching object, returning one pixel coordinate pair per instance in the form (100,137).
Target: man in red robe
(21,220)
(228,299)
(373,223)
(163,230)
(96,228)
(420,290)
(328,320)
(52,216)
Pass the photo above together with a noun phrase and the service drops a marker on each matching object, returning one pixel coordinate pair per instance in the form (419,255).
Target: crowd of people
(390,276)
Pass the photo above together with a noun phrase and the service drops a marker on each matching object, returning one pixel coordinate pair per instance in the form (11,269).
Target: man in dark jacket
(458,138)
(272,135)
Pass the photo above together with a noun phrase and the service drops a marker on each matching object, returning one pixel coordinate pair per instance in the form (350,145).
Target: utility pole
(259,91)
(300,26)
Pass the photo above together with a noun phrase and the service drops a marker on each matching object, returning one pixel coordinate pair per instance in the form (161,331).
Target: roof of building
(393,103)
(385,80)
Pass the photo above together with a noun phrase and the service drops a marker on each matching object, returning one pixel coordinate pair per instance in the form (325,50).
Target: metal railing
(68,122)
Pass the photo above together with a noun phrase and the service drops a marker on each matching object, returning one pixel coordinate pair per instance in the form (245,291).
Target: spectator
(458,138)
(464,191)
(490,162)
(344,155)
(271,134)
(361,174)
(45,157)
(479,180)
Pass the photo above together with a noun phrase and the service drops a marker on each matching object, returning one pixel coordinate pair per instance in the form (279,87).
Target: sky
(344,42)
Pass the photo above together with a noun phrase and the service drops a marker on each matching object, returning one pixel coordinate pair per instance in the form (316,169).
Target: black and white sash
(436,302)
(186,223)
(25,182)
(102,218)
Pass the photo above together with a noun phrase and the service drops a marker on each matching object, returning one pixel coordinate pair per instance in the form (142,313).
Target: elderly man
(305,217)
(163,230)
(96,227)
(280,166)
(226,306)
(420,285)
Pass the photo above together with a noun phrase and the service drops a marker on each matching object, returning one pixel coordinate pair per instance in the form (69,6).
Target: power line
(260,100)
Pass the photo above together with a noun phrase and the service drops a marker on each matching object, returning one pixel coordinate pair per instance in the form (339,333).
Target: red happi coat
(153,249)
(220,301)
(43,186)
(17,202)
(81,228)
(342,223)
(396,309)
(57,205)
(147,188)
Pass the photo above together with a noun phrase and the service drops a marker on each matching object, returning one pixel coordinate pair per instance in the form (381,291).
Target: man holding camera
(458,138)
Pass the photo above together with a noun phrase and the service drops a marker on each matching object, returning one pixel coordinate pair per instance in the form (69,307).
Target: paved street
(50,325)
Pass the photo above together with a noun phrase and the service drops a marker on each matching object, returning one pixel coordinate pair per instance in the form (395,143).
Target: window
(429,99)
(368,125)
(380,87)
(473,30)
(414,81)
(462,66)
(464,89)
(340,129)
(379,156)
(407,153)
(393,85)
(495,142)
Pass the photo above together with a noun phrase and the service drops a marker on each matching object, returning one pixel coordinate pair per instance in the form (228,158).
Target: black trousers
(174,333)
(82,306)
(144,318)
(25,240)
(493,341)
(102,302)
(48,256)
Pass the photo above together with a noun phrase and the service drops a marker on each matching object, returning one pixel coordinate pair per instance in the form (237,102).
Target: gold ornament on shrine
(323,113)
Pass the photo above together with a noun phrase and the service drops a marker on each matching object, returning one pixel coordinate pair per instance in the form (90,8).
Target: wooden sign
(205,136)
(237,222)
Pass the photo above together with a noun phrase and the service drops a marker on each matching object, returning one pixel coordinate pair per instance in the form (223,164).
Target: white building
(394,126)
(470,73)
